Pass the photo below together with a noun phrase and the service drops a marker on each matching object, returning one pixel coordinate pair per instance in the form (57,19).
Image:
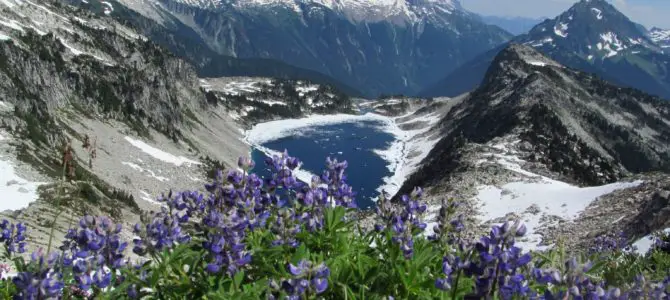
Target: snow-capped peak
(594,29)
(359,10)
(660,36)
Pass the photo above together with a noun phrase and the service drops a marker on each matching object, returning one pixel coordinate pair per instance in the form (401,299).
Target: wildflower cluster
(13,237)
(607,243)
(306,278)
(42,280)
(162,230)
(448,227)
(94,252)
(248,237)
(404,220)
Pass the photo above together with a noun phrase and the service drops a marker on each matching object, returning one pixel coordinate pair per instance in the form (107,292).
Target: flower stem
(58,199)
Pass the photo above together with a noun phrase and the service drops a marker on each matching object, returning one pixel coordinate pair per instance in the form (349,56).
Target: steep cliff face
(534,118)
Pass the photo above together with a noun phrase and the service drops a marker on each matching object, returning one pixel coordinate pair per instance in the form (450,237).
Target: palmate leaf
(302,253)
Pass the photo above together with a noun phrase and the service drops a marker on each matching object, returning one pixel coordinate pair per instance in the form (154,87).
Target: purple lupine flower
(13,236)
(448,228)
(607,243)
(498,261)
(403,221)
(42,282)
(661,242)
(163,229)
(245,163)
(285,228)
(282,171)
(98,238)
(94,247)
(444,283)
(340,193)
(305,276)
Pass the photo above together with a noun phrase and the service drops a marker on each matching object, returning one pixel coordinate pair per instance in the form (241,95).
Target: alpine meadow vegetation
(247,237)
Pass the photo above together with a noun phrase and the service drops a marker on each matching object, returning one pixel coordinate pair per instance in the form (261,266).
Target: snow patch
(611,44)
(599,13)
(17,192)
(160,154)
(274,130)
(147,197)
(536,63)
(4,37)
(8,3)
(74,51)
(13,25)
(143,170)
(407,143)
(271,102)
(550,197)
(560,30)
(109,8)
(644,244)
(48,11)
(302,90)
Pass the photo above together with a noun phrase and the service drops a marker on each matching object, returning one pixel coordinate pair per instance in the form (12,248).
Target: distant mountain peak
(660,36)
(593,29)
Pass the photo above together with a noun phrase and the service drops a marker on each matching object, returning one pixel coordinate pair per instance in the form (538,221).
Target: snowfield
(17,192)
(536,198)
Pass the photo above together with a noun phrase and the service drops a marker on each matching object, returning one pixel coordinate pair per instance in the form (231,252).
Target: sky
(646,12)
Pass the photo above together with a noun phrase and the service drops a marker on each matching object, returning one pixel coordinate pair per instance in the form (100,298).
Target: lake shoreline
(399,163)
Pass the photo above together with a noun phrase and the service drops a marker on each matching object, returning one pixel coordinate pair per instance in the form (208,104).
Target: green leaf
(301,253)
(237,279)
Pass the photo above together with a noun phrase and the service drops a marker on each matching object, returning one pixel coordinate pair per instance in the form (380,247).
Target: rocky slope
(254,100)
(537,128)
(168,31)
(137,119)
(378,46)
(591,36)
(660,37)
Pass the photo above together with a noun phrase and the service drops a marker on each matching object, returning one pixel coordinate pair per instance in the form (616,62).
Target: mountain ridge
(591,36)
(380,57)
(533,119)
